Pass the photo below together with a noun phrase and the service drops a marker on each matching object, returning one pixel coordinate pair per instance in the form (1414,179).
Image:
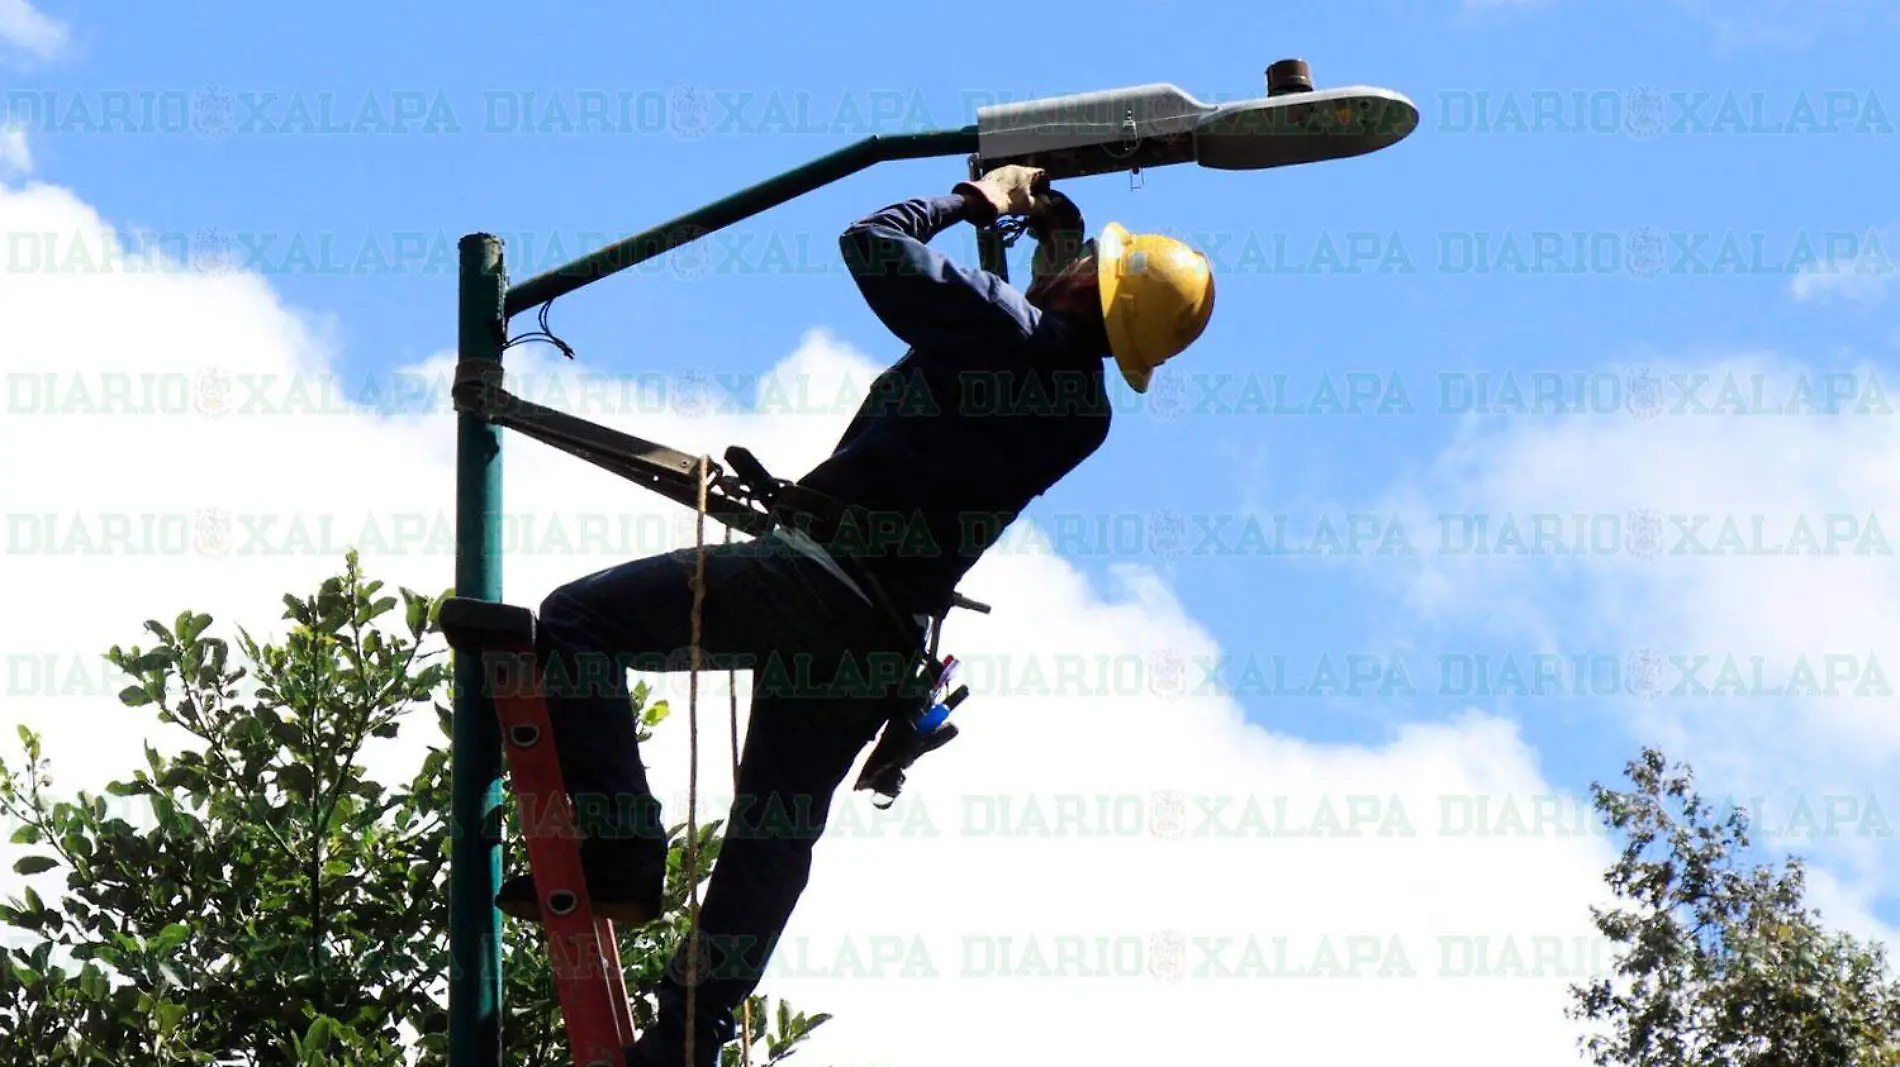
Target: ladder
(582,948)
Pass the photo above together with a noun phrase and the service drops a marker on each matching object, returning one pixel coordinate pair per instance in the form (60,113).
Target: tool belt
(915,726)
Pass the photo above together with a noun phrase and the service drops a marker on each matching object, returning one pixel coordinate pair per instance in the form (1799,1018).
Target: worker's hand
(1009,190)
(1053,213)
(1019,185)
(1060,234)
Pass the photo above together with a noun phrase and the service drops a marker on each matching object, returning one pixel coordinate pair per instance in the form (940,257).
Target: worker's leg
(763,604)
(797,753)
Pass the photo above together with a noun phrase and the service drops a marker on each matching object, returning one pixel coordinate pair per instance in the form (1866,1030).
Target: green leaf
(283,730)
(170,938)
(92,982)
(133,696)
(26,835)
(35,864)
(294,610)
(177,778)
(296,779)
(415,613)
(316,1040)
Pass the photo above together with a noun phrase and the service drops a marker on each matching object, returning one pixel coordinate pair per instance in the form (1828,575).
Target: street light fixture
(1161,125)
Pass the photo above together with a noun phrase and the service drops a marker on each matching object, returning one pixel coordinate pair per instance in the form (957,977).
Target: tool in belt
(749,499)
(923,701)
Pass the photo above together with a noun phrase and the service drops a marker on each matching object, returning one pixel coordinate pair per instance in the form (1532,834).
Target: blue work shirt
(994,402)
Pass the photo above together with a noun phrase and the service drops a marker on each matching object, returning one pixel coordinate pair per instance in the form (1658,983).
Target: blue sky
(1459,181)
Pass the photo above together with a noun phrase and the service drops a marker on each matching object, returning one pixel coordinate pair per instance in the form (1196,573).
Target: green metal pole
(790,185)
(475,754)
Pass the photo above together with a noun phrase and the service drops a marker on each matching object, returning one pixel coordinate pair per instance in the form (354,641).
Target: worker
(999,396)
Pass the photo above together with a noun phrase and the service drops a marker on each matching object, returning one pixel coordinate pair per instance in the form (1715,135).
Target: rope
(692,771)
(692,782)
(732,692)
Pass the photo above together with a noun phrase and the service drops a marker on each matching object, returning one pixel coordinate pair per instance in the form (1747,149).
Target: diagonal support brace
(668,472)
(741,499)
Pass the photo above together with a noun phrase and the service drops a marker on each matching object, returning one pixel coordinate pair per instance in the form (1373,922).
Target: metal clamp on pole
(477,383)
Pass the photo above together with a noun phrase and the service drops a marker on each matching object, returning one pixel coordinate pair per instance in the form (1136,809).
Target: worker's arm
(918,293)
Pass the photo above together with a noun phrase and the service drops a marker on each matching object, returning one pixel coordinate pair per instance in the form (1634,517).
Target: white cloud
(213,498)
(1863,277)
(1686,506)
(16,158)
(26,28)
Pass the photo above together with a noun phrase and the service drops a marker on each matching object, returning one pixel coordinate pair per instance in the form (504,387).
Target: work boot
(626,882)
(664,1043)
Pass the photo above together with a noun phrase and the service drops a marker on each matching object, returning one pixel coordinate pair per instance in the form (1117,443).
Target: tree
(279,906)
(1718,963)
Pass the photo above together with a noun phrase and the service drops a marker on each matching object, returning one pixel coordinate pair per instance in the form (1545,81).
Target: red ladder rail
(582,948)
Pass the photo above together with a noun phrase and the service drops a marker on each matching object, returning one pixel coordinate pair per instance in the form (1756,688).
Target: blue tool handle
(933,719)
(939,712)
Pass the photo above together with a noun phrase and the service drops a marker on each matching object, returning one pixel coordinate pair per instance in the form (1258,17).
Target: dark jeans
(825,666)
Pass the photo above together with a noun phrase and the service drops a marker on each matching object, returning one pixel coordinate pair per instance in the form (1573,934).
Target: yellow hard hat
(1157,295)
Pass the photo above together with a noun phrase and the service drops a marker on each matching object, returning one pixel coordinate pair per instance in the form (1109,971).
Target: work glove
(1009,190)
